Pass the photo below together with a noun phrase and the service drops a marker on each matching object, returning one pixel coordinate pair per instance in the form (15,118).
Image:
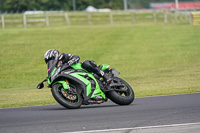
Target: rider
(53,54)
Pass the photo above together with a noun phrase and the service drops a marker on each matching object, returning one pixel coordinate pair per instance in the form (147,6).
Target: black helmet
(51,54)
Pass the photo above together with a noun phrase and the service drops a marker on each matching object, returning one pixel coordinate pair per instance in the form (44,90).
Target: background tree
(48,5)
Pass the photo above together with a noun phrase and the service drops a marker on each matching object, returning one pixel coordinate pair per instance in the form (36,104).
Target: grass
(154,59)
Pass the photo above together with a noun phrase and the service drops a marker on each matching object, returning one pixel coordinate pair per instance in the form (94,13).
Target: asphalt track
(143,112)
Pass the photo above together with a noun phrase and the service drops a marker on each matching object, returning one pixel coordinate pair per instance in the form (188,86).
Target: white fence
(94,18)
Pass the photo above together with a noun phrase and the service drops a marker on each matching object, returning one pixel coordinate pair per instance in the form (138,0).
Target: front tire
(121,96)
(63,98)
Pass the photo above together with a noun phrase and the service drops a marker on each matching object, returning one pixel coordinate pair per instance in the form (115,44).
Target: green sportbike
(73,86)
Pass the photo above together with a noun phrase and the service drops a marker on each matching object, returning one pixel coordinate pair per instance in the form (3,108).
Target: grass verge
(154,59)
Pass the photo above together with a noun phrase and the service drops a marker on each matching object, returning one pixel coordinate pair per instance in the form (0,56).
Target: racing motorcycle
(73,86)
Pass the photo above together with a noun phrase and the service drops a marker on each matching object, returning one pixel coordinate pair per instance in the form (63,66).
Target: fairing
(104,66)
(80,77)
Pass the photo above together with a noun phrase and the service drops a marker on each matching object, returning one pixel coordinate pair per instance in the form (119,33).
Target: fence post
(171,16)
(2,21)
(154,16)
(186,17)
(47,19)
(89,19)
(24,20)
(111,18)
(191,18)
(67,19)
(176,16)
(133,17)
(165,17)
(181,16)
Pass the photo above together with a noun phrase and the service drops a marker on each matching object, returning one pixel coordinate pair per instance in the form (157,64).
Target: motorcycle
(73,86)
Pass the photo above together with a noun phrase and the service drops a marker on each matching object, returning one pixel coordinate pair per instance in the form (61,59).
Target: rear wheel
(65,97)
(121,95)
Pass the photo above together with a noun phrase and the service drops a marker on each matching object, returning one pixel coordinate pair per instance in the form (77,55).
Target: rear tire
(59,95)
(125,97)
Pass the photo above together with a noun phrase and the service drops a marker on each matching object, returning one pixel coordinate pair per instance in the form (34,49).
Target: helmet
(51,54)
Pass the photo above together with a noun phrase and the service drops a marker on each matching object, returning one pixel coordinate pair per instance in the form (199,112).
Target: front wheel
(66,99)
(121,95)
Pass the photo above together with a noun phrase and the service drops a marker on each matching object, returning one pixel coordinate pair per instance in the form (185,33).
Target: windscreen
(50,66)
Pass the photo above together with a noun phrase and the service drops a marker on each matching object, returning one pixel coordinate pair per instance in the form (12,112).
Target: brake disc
(68,95)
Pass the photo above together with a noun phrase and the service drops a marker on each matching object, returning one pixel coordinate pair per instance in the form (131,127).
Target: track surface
(149,111)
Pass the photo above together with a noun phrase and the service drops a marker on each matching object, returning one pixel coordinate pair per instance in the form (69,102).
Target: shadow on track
(83,107)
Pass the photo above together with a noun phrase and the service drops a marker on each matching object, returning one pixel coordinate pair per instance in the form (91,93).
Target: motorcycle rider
(70,59)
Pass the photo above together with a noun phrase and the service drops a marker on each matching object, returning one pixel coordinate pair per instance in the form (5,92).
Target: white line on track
(135,128)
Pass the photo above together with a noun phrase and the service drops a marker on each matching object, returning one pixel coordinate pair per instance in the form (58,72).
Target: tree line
(67,5)
(55,5)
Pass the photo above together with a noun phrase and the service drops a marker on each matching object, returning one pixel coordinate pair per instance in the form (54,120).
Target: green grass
(154,59)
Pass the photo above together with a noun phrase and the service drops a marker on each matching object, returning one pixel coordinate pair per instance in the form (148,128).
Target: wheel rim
(123,91)
(71,98)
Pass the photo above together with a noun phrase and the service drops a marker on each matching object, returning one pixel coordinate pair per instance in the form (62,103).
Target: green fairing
(87,82)
(77,66)
(48,81)
(68,72)
(79,75)
(64,84)
(53,71)
(105,66)
(97,91)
